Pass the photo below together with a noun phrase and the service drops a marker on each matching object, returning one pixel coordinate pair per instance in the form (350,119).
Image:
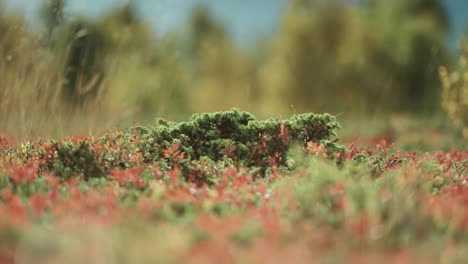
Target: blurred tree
(51,13)
(88,50)
(149,87)
(148,77)
(221,73)
(124,31)
(455,92)
(332,56)
(13,35)
(413,35)
(80,52)
(304,69)
(202,28)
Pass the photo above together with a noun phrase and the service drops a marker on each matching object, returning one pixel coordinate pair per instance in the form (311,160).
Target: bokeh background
(74,66)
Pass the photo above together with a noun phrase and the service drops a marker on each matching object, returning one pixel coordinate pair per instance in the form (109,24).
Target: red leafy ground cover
(358,205)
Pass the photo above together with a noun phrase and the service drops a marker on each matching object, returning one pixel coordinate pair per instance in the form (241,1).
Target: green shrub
(237,135)
(210,140)
(75,160)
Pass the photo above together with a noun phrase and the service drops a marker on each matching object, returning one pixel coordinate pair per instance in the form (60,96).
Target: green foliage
(251,230)
(160,81)
(52,15)
(414,33)
(79,46)
(4,181)
(349,196)
(124,32)
(455,93)
(210,140)
(85,50)
(71,160)
(152,66)
(237,135)
(219,69)
(93,158)
(203,29)
(380,57)
(16,42)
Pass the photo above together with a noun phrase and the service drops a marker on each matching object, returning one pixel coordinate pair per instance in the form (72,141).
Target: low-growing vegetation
(226,187)
(455,93)
(101,163)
